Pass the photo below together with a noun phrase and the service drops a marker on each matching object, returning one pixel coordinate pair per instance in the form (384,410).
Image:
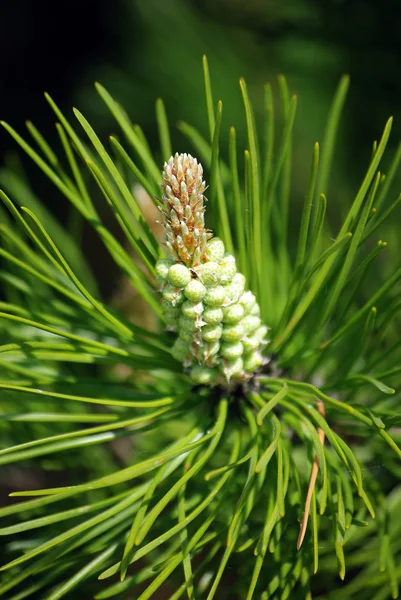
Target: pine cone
(220,333)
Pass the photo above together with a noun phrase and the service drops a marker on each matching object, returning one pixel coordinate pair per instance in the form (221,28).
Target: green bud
(173,295)
(250,344)
(233,313)
(232,351)
(255,311)
(252,362)
(212,316)
(192,310)
(228,268)
(162,267)
(187,324)
(240,280)
(212,333)
(215,249)
(250,324)
(212,349)
(233,333)
(233,293)
(209,273)
(187,336)
(248,301)
(179,275)
(203,375)
(261,333)
(180,350)
(170,311)
(231,368)
(195,291)
(215,296)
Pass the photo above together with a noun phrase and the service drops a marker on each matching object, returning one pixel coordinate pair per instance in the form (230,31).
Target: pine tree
(258,409)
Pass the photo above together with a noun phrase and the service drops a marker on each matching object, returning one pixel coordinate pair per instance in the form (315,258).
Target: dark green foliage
(210,483)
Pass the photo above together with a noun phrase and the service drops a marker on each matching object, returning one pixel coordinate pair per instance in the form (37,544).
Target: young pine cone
(220,333)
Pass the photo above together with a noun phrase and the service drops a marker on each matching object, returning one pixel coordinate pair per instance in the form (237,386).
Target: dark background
(148,46)
(142,49)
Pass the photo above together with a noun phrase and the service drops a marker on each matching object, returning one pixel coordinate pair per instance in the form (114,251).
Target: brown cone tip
(183,209)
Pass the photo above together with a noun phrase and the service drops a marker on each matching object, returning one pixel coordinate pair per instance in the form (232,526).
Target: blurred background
(140,50)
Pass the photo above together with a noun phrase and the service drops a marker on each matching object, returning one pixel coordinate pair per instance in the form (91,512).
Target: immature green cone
(220,333)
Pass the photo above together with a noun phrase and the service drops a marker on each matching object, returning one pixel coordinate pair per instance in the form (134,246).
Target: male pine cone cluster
(220,333)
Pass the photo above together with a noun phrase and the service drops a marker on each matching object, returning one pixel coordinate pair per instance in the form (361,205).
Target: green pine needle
(150,483)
